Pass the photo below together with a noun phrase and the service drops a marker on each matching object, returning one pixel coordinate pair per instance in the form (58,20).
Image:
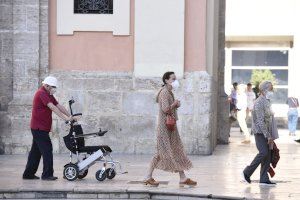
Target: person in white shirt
(250,99)
(241,106)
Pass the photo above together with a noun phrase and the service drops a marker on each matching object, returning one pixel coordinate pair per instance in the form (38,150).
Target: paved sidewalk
(218,174)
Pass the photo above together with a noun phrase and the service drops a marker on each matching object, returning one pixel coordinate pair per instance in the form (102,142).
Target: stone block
(6,2)
(147,83)
(187,103)
(5,92)
(204,103)
(203,82)
(187,127)
(26,43)
(5,124)
(192,198)
(19,10)
(105,103)
(142,132)
(26,56)
(7,50)
(124,84)
(81,196)
(21,111)
(98,84)
(161,197)
(26,2)
(145,146)
(20,68)
(50,195)
(103,196)
(19,195)
(139,196)
(26,84)
(203,125)
(19,149)
(118,196)
(19,22)
(110,123)
(6,18)
(32,18)
(139,103)
(23,98)
(44,12)
(6,68)
(21,138)
(32,68)
(71,84)
(186,84)
(87,84)
(55,139)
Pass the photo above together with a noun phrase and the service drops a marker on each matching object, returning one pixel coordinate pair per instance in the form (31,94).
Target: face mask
(175,84)
(52,91)
(269,95)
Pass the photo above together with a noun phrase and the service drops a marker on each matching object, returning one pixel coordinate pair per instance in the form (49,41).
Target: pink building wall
(101,51)
(90,50)
(195,29)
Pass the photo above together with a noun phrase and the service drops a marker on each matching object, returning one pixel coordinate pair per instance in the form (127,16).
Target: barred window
(93,6)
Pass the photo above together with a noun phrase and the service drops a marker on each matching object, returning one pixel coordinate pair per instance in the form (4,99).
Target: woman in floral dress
(170,155)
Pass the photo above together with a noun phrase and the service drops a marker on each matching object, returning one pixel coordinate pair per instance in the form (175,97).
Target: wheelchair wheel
(83,174)
(71,172)
(100,175)
(110,173)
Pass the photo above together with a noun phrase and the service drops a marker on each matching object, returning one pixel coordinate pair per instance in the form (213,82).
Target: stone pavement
(218,176)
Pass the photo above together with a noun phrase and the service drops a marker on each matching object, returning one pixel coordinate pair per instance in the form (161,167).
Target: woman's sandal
(188,182)
(151,182)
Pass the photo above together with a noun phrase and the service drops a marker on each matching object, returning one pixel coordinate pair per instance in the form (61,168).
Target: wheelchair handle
(77,114)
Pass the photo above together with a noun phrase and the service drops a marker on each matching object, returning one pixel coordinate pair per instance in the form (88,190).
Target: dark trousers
(41,146)
(263,158)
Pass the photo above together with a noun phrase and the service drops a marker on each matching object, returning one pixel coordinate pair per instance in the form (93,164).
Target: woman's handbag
(170,123)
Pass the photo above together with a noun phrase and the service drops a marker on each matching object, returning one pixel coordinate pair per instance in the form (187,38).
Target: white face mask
(175,84)
(269,95)
(52,91)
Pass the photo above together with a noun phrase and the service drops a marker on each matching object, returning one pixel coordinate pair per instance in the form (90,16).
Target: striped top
(292,102)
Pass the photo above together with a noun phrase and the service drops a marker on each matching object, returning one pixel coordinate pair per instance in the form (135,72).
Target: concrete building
(264,35)
(110,56)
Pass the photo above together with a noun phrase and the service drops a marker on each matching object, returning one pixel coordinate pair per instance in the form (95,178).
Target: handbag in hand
(170,123)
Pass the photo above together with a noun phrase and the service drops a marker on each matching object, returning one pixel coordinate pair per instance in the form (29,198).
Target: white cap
(50,80)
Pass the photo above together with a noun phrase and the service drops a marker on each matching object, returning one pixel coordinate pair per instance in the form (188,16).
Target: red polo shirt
(41,118)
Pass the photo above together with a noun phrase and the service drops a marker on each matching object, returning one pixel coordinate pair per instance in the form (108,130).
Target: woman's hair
(166,76)
(264,86)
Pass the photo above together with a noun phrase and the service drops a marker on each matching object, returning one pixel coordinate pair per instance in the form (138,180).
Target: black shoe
(246,178)
(31,177)
(50,178)
(268,183)
(297,140)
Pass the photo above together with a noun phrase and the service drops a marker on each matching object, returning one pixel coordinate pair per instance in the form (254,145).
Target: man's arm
(63,110)
(57,111)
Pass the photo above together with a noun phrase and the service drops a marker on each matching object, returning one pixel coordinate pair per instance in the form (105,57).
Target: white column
(159,37)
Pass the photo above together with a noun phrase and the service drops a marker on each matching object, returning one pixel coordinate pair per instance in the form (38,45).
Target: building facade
(110,56)
(264,35)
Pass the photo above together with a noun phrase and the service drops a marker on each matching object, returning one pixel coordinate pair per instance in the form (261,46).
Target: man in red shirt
(41,120)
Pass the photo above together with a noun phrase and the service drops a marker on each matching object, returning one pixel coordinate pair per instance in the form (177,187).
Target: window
(260,58)
(245,61)
(93,6)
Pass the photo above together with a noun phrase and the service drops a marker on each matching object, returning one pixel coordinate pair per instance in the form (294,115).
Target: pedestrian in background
(292,115)
(241,107)
(250,99)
